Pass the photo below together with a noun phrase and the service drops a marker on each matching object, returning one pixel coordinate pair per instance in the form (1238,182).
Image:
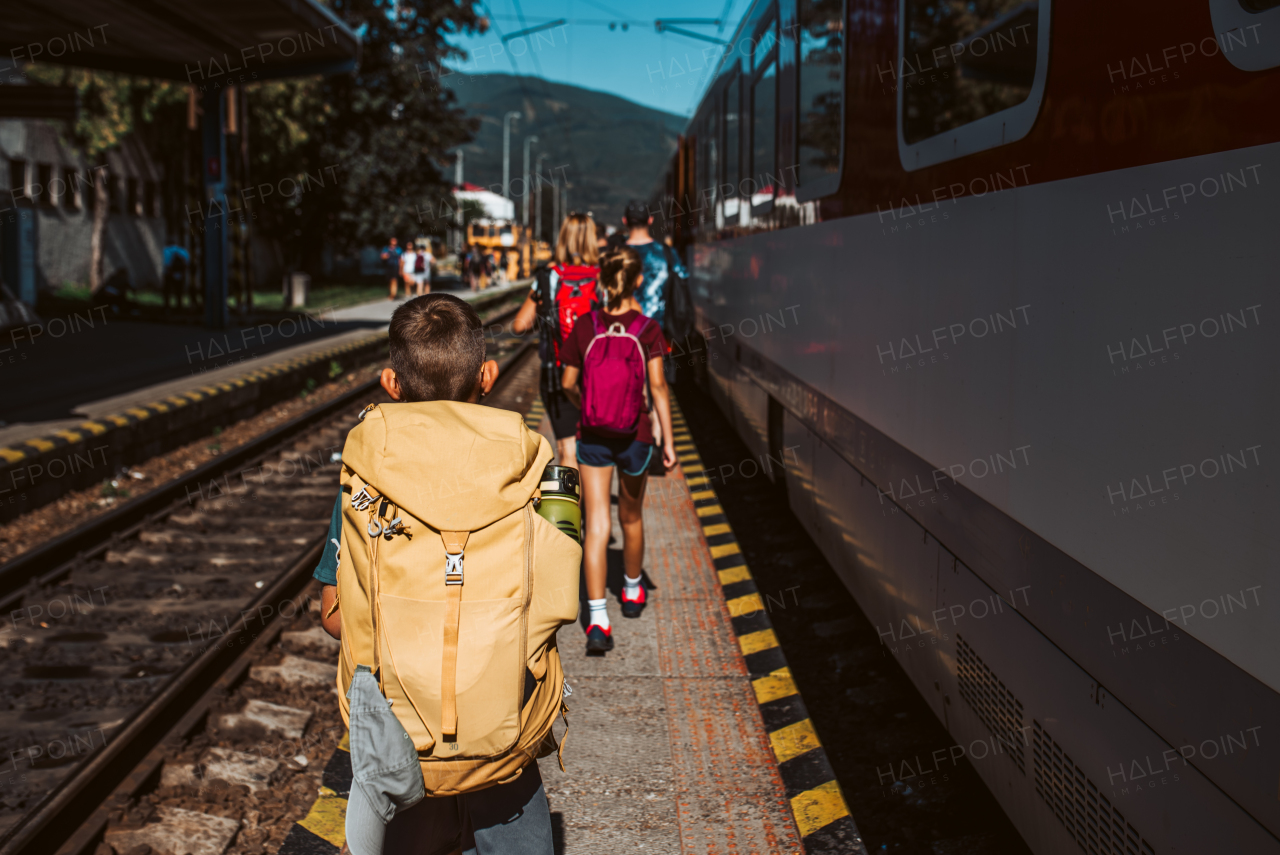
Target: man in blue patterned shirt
(655,290)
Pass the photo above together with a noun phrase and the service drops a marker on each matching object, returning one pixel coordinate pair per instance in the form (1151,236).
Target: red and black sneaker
(599,640)
(633,607)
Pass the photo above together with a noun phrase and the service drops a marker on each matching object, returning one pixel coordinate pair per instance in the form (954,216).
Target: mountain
(610,149)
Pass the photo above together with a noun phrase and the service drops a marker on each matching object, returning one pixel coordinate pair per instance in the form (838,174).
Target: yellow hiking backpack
(452,588)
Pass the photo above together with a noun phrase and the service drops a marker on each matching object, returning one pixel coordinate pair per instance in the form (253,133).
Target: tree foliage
(385,131)
(112,106)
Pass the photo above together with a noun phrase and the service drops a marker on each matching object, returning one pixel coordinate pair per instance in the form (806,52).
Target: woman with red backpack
(613,367)
(560,295)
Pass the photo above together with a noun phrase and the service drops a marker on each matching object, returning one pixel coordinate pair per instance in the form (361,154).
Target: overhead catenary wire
(546,94)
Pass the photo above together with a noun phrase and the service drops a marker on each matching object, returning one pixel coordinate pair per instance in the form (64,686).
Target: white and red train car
(991,277)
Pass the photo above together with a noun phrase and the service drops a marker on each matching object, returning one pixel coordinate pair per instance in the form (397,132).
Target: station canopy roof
(187,41)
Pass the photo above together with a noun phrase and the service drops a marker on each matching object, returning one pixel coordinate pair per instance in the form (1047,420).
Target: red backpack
(575,296)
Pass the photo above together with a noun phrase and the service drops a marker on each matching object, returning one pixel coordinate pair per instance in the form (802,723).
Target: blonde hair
(577,241)
(620,272)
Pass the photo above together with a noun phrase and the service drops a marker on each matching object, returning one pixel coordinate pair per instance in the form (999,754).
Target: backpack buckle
(453,568)
(362,500)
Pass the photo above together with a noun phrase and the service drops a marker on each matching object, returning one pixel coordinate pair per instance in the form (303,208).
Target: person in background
(114,293)
(596,346)
(468,263)
(408,260)
(391,258)
(489,268)
(615,239)
(575,259)
(422,261)
(658,260)
(176,262)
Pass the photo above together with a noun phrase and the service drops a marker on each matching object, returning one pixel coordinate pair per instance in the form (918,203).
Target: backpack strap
(639,325)
(597,321)
(454,544)
(372,502)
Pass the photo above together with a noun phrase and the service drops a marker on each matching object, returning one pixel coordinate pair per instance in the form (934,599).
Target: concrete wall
(132,241)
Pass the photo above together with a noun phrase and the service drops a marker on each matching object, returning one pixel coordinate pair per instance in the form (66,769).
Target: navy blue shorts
(630,455)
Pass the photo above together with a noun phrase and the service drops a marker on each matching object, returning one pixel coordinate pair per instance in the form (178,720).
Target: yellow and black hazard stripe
(32,448)
(536,413)
(822,817)
(324,829)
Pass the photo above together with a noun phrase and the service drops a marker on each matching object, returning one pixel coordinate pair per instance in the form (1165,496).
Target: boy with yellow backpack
(446,589)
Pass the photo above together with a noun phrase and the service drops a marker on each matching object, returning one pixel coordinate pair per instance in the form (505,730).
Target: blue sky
(666,71)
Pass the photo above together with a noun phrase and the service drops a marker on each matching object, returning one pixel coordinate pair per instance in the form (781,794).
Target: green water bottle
(560,500)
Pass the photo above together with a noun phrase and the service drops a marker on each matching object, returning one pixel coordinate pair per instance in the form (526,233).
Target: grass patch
(323,297)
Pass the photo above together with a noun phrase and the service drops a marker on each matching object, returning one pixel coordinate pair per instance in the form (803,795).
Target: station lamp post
(537,201)
(528,142)
(524,190)
(506,152)
(555,203)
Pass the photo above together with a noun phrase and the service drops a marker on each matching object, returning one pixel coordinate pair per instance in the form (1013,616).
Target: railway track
(137,644)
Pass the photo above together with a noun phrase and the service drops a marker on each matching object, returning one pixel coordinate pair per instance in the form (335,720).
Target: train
(510,245)
(988,278)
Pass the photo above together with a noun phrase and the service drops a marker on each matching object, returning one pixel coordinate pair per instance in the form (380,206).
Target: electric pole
(528,142)
(537,229)
(506,152)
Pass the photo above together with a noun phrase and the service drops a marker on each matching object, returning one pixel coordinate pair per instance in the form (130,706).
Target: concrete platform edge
(37,471)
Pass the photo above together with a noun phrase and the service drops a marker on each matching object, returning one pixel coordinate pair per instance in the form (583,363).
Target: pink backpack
(614,378)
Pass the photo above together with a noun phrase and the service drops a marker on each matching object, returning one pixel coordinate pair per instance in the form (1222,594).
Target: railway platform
(690,736)
(69,421)
(55,387)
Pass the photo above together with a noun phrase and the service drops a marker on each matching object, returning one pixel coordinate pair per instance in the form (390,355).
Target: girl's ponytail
(620,270)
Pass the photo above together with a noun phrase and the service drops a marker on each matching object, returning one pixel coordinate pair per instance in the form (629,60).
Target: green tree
(378,137)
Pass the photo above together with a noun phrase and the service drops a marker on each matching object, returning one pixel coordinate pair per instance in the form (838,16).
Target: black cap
(637,213)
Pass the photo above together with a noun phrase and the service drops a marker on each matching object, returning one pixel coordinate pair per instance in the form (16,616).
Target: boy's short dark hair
(437,348)
(636,214)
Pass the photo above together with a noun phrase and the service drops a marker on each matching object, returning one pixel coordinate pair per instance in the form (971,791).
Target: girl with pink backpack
(613,369)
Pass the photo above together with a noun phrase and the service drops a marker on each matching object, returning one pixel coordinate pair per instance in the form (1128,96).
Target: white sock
(631,586)
(599,616)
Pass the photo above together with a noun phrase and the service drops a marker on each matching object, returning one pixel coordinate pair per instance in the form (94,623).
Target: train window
(710,161)
(732,140)
(970,75)
(764,128)
(1238,24)
(821,68)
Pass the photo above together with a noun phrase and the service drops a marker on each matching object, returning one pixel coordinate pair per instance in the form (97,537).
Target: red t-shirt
(651,339)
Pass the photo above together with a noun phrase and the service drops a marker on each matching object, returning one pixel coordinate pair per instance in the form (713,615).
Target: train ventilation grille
(1099,829)
(995,706)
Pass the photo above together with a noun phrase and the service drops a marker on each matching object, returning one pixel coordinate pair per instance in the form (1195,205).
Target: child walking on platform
(611,360)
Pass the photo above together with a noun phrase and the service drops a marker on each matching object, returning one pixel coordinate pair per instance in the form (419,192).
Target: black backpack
(678,322)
